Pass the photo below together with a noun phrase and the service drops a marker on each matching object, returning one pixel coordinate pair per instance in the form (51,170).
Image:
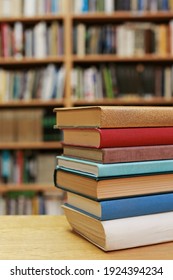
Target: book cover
(121,208)
(106,188)
(114,169)
(114,116)
(123,233)
(120,154)
(118,137)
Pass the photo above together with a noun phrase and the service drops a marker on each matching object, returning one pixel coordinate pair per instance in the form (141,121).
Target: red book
(118,137)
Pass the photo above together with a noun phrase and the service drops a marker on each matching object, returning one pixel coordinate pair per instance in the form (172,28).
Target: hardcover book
(119,154)
(101,189)
(123,233)
(114,116)
(114,169)
(122,207)
(118,137)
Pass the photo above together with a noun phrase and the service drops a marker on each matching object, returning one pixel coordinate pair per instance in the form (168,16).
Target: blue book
(99,170)
(165,5)
(121,208)
(84,6)
(6,165)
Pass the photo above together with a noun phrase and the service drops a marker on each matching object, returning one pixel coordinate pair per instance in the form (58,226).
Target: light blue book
(123,207)
(99,170)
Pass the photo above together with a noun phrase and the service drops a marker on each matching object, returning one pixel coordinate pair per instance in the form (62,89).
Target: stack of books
(117,170)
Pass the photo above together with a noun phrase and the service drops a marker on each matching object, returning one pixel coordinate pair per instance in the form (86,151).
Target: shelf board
(97,58)
(32,103)
(126,101)
(33,19)
(4,188)
(31,61)
(124,15)
(33,146)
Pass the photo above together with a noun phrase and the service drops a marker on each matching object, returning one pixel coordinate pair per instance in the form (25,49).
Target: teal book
(99,170)
(121,208)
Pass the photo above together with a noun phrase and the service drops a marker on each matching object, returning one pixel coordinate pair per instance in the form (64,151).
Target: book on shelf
(120,154)
(100,170)
(123,233)
(118,137)
(121,208)
(114,116)
(104,188)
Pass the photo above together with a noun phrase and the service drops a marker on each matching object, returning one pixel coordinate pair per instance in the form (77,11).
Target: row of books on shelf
(127,39)
(30,203)
(38,41)
(17,126)
(126,199)
(18,167)
(83,6)
(42,83)
(25,8)
(118,80)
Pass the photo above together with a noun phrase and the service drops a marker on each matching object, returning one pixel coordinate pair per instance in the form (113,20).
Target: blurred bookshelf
(76,53)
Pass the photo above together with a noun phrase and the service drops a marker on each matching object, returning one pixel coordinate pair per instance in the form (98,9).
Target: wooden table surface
(51,238)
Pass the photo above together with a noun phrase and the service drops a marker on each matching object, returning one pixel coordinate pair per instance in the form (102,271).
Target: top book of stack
(114,116)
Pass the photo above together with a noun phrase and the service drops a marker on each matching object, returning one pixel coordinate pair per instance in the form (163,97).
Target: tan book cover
(114,116)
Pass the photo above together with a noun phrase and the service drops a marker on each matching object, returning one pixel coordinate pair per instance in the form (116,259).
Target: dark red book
(118,137)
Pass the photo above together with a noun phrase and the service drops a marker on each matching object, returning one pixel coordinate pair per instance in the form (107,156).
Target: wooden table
(51,238)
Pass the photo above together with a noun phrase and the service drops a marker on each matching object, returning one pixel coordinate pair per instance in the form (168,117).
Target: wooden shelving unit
(69,60)
(31,145)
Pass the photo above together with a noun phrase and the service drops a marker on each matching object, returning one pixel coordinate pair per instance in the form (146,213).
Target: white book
(40,42)
(121,40)
(53,206)
(29,8)
(109,6)
(49,82)
(18,40)
(60,79)
(122,233)
(6,8)
(130,37)
(77,6)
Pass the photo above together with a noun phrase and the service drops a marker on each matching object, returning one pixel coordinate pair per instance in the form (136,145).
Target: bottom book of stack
(122,223)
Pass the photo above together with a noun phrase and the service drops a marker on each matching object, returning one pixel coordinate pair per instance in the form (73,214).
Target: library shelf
(52,145)
(97,58)
(33,19)
(124,16)
(36,187)
(31,61)
(32,103)
(131,100)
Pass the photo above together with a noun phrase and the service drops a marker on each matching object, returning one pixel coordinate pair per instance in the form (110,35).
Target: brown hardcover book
(125,154)
(114,116)
(113,187)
